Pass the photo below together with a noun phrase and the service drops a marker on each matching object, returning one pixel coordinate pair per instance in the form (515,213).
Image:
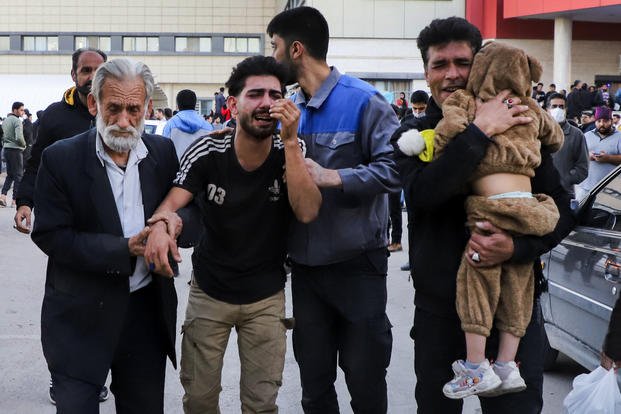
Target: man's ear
(149,108)
(74,76)
(296,49)
(231,103)
(92,104)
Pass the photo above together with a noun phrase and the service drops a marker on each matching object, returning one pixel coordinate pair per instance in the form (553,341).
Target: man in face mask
(419,103)
(572,160)
(604,146)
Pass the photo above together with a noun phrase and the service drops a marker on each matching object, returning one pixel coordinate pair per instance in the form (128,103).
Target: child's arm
(458,111)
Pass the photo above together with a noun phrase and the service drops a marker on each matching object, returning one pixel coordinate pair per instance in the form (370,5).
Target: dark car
(584,277)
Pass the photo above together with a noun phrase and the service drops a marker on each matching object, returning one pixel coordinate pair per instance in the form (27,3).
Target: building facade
(193,44)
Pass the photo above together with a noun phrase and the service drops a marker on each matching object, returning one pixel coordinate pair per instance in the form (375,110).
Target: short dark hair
(16,105)
(552,86)
(168,113)
(186,99)
(160,110)
(222,89)
(255,66)
(76,56)
(555,95)
(419,96)
(304,24)
(443,31)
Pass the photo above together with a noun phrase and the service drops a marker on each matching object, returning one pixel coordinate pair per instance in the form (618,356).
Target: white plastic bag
(594,393)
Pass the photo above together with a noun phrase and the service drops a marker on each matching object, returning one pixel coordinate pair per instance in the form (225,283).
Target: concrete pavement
(24,379)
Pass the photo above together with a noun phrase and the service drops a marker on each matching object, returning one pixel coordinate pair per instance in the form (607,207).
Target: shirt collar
(135,155)
(322,93)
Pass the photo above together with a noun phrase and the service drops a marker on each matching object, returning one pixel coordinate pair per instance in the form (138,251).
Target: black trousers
(14,170)
(340,316)
(137,369)
(438,341)
(396,221)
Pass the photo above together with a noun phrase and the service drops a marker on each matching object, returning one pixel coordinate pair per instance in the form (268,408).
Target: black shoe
(52,393)
(103,394)
(406,267)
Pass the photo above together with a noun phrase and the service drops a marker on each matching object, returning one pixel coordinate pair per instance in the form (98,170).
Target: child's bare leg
(508,346)
(475,347)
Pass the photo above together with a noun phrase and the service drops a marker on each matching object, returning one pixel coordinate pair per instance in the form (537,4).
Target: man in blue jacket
(187,125)
(340,259)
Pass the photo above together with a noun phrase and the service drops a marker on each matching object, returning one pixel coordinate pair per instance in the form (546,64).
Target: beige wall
(589,58)
(237,16)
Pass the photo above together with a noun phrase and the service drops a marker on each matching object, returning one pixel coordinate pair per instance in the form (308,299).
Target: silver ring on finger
(476,257)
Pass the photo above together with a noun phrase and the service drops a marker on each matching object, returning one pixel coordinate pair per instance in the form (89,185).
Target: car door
(583,271)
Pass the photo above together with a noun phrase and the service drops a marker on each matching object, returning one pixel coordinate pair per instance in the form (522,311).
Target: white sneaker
(511,379)
(469,382)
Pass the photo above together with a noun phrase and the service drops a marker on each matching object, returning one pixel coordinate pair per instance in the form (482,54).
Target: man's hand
(499,114)
(288,114)
(22,215)
(173,222)
(136,243)
(158,246)
(493,245)
(323,177)
(607,362)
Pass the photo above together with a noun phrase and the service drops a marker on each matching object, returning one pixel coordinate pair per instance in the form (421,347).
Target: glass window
(29,43)
(52,43)
(181,44)
(153,44)
(254,45)
(40,43)
(204,44)
(241,44)
(192,44)
(102,43)
(141,44)
(5,43)
(229,44)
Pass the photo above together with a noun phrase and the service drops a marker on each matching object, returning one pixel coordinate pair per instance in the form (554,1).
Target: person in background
(186,126)
(168,113)
(604,145)
(13,145)
(572,160)
(28,135)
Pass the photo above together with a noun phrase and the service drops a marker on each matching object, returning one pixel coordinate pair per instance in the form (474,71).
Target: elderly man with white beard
(103,308)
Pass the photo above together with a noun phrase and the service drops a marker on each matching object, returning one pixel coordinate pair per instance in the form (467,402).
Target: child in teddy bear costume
(501,194)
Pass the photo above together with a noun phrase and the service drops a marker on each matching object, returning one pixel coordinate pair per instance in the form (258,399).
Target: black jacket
(60,120)
(435,195)
(89,264)
(612,343)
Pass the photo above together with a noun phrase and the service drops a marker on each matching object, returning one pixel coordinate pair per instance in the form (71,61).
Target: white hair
(123,69)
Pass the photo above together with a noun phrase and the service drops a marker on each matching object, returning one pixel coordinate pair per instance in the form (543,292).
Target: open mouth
(264,117)
(451,89)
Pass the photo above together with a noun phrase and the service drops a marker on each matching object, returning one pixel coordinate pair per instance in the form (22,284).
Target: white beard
(120,144)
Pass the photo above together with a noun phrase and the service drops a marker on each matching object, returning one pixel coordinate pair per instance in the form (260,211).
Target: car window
(150,129)
(605,210)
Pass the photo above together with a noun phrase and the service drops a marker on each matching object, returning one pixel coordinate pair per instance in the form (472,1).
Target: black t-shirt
(246,216)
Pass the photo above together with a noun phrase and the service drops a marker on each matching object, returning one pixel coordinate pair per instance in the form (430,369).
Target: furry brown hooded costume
(504,291)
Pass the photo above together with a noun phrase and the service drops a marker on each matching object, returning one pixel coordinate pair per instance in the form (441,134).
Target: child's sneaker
(512,381)
(470,381)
